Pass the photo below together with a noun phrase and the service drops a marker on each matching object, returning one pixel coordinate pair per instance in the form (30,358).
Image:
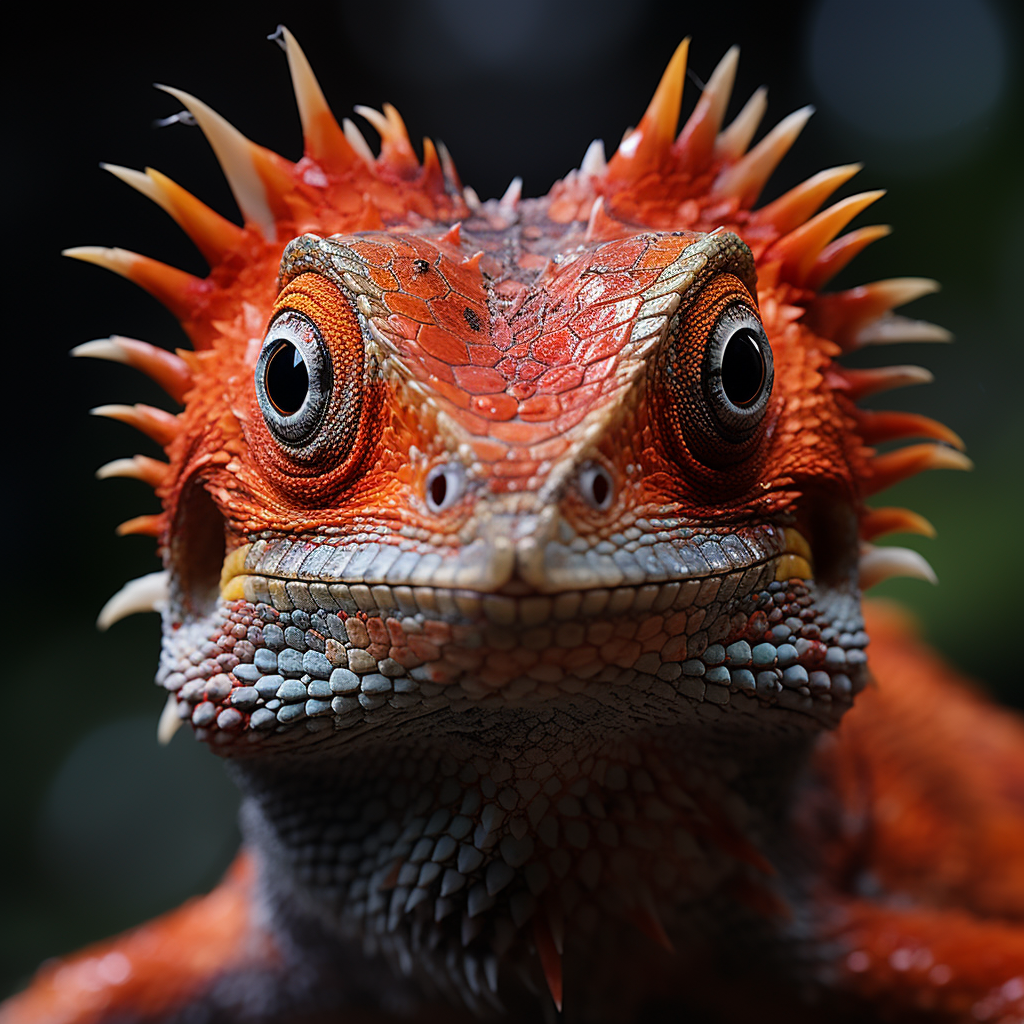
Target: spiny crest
(703,177)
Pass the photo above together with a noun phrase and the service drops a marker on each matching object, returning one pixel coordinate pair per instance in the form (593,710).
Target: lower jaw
(302,667)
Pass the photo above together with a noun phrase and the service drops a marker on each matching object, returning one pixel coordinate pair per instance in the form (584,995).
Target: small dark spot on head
(420,266)
(471,318)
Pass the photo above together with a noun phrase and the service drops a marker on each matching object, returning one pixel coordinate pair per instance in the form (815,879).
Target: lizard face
(439,454)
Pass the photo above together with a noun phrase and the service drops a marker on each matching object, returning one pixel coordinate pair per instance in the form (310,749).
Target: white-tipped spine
(169,722)
(883,563)
(594,162)
(357,141)
(148,593)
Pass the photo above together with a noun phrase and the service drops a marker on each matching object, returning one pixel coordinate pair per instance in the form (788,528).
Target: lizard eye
(718,375)
(293,378)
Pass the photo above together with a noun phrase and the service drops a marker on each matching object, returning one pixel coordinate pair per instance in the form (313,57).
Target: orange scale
(483,355)
(487,450)
(462,278)
(501,335)
(459,315)
(569,419)
(620,255)
(516,432)
(425,284)
(590,321)
(494,407)
(480,380)
(600,346)
(437,368)
(452,392)
(554,348)
(546,451)
(473,423)
(515,468)
(560,379)
(442,345)
(385,278)
(529,370)
(408,305)
(373,254)
(532,261)
(507,367)
(539,407)
(598,371)
(586,395)
(661,252)
(405,327)
(522,390)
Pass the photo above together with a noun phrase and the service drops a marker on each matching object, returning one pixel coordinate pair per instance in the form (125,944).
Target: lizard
(514,556)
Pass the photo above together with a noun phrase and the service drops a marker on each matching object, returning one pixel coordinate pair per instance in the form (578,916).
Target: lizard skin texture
(513,557)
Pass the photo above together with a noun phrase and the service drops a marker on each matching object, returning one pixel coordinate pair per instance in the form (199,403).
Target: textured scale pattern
(530,627)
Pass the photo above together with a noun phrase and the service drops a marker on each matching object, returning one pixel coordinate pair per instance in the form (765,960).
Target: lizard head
(438,454)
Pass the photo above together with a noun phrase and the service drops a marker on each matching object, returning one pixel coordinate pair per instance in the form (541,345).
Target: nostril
(595,484)
(445,485)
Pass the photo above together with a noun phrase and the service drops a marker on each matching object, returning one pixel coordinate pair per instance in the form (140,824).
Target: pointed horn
(732,143)
(358,142)
(840,316)
(791,210)
(839,253)
(594,163)
(143,526)
(509,201)
(550,958)
(799,250)
(163,427)
(646,919)
(747,177)
(890,329)
(877,522)
(146,594)
(170,371)
(169,722)
(215,236)
(177,290)
(647,146)
(138,467)
(396,152)
(696,142)
(859,384)
(453,236)
(237,157)
(878,564)
(876,427)
(322,136)
(432,180)
(451,173)
(892,467)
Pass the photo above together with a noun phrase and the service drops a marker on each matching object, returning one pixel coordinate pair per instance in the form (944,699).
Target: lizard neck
(501,834)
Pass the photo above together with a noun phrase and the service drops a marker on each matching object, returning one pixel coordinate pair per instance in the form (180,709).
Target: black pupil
(438,489)
(599,488)
(287,379)
(742,368)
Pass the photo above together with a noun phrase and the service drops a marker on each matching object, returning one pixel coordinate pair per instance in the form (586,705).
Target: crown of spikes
(704,177)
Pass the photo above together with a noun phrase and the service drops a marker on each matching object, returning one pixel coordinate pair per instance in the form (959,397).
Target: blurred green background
(101,827)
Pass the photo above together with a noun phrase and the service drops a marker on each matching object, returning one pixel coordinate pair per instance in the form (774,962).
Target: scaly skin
(527,636)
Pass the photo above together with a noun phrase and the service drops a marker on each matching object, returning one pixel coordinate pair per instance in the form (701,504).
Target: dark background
(102,828)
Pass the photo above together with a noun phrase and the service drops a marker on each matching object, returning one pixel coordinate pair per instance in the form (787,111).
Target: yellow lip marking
(797,561)
(231,574)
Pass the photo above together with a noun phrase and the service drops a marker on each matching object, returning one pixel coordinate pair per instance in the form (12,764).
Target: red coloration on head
(511,334)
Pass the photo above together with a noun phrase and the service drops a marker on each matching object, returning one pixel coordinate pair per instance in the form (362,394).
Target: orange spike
(163,427)
(789,211)
(732,143)
(550,959)
(214,235)
(453,235)
(145,526)
(696,142)
(645,148)
(169,370)
(322,136)
(396,152)
(432,178)
(801,247)
(600,225)
(877,522)
(892,467)
(138,467)
(859,384)
(178,291)
(840,317)
(837,254)
(747,177)
(451,174)
(891,425)
(472,263)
